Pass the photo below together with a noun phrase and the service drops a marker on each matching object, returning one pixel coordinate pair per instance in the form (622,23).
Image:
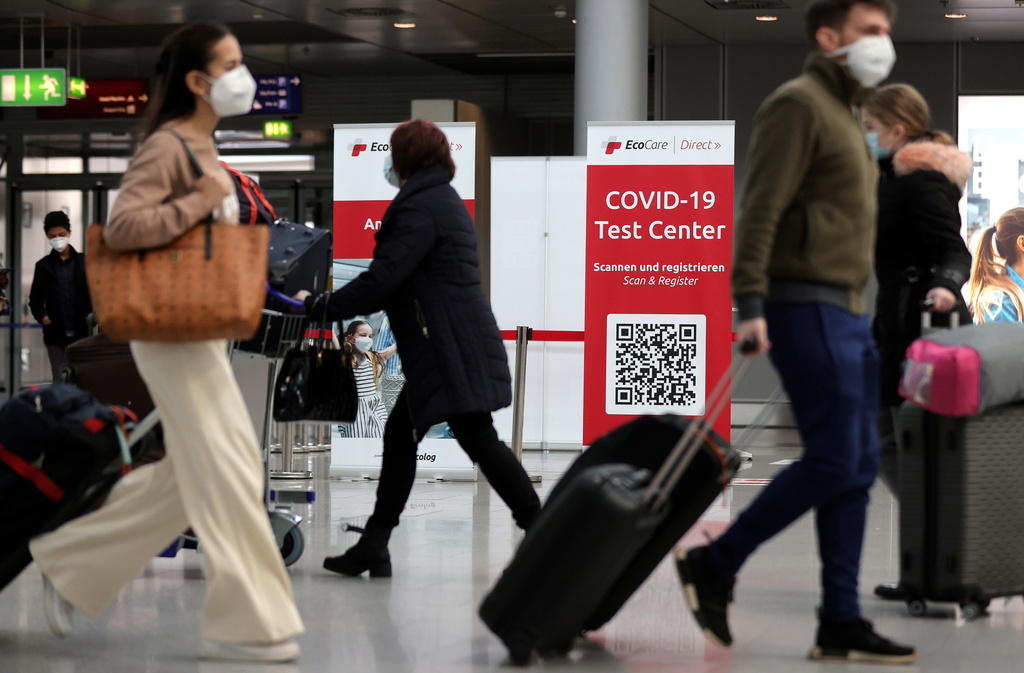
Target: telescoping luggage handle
(660,488)
(926,316)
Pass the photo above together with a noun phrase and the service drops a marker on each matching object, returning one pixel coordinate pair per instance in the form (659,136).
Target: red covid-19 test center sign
(361,194)
(658,325)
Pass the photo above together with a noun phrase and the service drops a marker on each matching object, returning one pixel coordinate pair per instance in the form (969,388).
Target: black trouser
(476,435)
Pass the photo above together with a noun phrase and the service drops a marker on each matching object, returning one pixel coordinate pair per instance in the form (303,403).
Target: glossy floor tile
(454,540)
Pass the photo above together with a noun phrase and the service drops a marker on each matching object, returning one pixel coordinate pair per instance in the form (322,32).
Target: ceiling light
(956,16)
(766,18)
(257,15)
(405,25)
(527,54)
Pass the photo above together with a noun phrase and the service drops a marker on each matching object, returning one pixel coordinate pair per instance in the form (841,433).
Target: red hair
(420,144)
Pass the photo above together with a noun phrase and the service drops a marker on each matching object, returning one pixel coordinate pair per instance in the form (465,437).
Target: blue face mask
(389,173)
(876,150)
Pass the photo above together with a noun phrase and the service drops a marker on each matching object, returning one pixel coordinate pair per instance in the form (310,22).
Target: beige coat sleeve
(157,202)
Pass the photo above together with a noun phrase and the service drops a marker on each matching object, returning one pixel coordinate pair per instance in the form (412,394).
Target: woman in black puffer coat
(425,273)
(919,252)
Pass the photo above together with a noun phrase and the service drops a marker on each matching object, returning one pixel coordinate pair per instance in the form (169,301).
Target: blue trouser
(828,364)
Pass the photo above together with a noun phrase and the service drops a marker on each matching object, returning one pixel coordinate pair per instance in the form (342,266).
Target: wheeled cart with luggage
(278,333)
(607,524)
(961,507)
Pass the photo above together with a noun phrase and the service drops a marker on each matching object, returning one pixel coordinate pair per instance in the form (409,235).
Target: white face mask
(389,173)
(364,343)
(59,243)
(232,93)
(869,59)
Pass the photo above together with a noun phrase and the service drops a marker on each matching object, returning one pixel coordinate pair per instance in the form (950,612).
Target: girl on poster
(996,287)
(367,365)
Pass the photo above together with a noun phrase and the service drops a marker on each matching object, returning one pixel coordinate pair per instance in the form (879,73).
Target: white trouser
(211,480)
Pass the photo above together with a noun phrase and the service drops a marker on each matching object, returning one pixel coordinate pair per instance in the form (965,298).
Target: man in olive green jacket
(804,240)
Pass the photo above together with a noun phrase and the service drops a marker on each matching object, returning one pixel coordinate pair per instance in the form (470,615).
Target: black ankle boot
(370,553)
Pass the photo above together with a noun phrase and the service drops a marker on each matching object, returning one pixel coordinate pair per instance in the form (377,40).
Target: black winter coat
(918,247)
(426,274)
(44,298)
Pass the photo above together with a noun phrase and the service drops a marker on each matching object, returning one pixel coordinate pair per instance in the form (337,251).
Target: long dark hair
(186,49)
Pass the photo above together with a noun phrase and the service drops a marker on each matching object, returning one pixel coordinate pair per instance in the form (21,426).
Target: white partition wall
(538,218)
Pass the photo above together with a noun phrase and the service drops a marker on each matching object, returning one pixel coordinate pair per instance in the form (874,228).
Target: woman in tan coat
(212,476)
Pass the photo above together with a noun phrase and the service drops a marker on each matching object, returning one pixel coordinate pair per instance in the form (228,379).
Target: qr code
(656,364)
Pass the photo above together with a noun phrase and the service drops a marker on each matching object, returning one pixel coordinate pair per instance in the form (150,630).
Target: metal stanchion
(300,445)
(285,432)
(523,336)
(314,438)
(323,437)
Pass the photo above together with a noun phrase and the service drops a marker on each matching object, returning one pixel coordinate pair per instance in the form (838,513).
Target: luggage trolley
(278,333)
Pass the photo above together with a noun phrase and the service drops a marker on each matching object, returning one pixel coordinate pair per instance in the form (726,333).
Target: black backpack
(60,453)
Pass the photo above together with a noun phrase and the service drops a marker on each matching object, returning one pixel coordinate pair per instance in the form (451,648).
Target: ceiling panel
(323,37)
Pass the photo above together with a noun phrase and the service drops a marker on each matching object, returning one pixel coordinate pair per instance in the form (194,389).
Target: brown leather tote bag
(210,283)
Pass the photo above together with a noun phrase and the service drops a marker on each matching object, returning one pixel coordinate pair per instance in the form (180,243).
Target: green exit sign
(280,129)
(76,88)
(33,87)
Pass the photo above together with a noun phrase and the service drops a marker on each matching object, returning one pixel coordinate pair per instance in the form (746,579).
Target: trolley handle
(282,297)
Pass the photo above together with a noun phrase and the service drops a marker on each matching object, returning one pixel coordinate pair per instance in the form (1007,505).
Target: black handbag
(315,383)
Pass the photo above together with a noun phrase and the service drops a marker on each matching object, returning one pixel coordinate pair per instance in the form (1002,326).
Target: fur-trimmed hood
(926,155)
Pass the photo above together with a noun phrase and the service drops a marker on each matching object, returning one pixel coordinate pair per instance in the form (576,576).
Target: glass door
(24,357)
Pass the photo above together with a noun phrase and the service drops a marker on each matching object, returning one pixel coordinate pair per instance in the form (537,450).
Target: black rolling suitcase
(59,456)
(961,507)
(645,444)
(606,526)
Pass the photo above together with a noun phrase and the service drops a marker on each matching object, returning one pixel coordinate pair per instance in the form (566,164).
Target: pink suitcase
(966,371)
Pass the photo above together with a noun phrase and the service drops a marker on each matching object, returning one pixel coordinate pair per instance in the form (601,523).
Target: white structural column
(611,63)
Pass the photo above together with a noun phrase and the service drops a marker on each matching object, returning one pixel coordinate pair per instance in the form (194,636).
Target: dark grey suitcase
(579,545)
(606,526)
(645,444)
(961,507)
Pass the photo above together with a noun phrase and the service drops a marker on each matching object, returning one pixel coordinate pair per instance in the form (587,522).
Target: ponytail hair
(903,104)
(995,251)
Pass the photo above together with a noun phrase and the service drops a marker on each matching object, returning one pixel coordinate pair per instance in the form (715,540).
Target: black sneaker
(890,592)
(707,594)
(857,642)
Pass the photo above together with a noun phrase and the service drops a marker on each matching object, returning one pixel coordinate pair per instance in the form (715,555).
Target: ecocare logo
(358,147)
(613,143)
(609,146)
